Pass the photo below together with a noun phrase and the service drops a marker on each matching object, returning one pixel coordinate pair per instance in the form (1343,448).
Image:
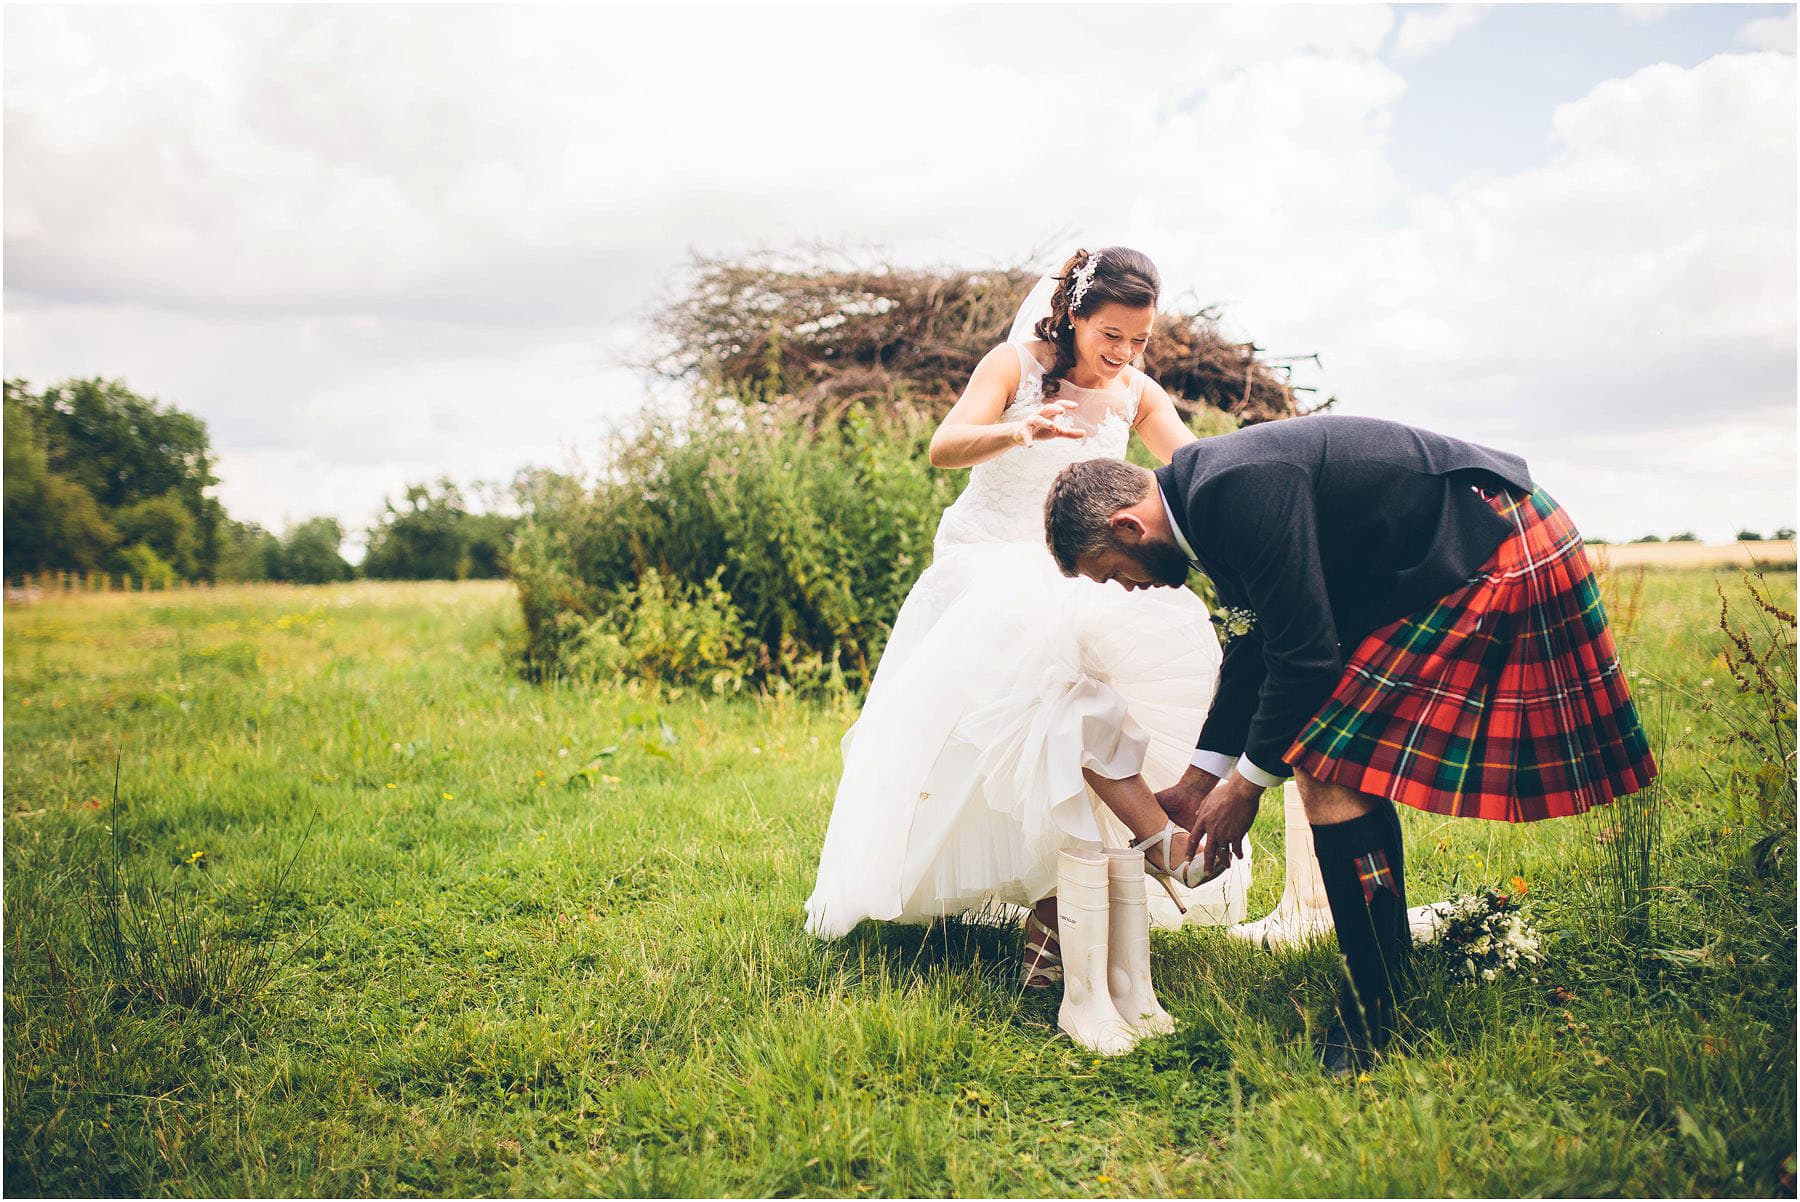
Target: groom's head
(1104,519)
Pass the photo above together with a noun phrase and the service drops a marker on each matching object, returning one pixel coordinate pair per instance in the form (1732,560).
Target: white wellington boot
(1083,925)
(1128,946)
(1303,911)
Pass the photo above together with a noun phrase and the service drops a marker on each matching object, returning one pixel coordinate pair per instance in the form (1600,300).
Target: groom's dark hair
(1078,512)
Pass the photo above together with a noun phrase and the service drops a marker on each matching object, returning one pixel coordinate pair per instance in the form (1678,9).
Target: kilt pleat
(1502,700)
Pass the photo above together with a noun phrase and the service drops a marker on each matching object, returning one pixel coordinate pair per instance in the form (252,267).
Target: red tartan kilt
(1503,700)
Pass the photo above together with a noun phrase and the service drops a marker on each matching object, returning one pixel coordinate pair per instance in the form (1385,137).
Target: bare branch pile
(825,334)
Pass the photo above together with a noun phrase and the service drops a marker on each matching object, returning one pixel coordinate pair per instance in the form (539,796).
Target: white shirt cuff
(1255,775)
(1215,762)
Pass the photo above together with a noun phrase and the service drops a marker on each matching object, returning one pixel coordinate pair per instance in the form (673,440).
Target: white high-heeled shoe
(1083,920)
(1190,872)
(1303,912)
(1128,946)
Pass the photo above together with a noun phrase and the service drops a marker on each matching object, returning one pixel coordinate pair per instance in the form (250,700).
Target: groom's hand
(1182,800)
(1225,819)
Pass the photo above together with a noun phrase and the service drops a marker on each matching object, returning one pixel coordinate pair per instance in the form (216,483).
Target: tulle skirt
(1001,681)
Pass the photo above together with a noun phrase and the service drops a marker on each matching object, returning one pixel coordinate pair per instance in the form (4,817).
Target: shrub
(807,541)
(668,633)
(140,560)
(162,525)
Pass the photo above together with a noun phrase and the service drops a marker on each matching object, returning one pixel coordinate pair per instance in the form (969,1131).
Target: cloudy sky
(372,244)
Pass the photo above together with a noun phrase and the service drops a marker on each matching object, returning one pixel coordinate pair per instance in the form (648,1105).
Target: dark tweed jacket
(1325,528)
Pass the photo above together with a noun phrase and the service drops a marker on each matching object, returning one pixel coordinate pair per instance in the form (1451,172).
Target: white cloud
(1425,29)
(415,157)
(1639,286)
(351,238)
(374,244)
(1769,33)
(1646,14)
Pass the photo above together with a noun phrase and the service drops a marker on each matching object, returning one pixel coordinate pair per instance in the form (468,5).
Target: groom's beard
(1163,562)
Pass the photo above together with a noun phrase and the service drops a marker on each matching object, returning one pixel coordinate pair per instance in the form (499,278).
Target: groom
(1406,616)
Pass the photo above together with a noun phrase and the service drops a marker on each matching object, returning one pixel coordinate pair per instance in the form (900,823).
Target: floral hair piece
(1080,281)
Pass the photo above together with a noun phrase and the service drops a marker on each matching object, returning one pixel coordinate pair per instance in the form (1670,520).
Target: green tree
(247,552)
(123,450)
(51,521)
(433,536)
(310,553)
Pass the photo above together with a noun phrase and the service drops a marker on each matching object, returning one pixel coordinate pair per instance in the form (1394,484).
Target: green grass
(516,962)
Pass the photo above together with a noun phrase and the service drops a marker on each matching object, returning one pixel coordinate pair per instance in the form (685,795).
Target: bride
(1010,698)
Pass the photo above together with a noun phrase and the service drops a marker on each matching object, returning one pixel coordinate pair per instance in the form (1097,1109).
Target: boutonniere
(1234,623)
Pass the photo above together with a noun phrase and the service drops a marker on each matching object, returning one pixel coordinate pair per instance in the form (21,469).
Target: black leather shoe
(1341,1055)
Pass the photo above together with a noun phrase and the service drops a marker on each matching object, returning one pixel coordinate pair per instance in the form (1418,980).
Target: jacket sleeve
(1260,524)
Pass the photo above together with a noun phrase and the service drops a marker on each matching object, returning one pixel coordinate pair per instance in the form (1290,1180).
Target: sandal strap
(1160,841)
(1042,964)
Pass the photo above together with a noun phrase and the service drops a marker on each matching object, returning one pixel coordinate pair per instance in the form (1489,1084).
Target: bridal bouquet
(1481,935)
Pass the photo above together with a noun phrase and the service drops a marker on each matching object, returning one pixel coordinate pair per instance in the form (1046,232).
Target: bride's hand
(1050,421)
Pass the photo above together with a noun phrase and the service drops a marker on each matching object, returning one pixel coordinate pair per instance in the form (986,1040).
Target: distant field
(545,940)
(1694,555)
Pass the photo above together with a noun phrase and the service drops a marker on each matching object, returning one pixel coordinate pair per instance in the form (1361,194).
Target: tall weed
(163,944)
(1757,749)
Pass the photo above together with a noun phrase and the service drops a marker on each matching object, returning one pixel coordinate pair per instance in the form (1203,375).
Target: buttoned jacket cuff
(1256,776)
(1215,762)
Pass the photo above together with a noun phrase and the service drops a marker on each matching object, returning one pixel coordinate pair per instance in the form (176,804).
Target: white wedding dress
(1001,681)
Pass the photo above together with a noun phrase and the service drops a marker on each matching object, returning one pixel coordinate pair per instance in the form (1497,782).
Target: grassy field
(546,940)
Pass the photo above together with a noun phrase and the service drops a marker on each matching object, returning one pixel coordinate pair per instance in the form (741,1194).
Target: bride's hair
(1122,277)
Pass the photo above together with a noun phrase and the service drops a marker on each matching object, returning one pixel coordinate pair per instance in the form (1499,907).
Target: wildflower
(196,857)
(448,796)
(1519,887)
(392,785)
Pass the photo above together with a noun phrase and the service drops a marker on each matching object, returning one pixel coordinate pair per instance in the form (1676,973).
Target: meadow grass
(546,939)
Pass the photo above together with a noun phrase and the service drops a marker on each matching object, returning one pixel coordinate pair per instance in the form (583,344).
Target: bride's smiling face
(1110,337)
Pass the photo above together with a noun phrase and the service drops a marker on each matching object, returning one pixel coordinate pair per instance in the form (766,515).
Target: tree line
(100,479)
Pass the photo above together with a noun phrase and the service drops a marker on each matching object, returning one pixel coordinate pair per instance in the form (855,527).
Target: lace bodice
(1004,499)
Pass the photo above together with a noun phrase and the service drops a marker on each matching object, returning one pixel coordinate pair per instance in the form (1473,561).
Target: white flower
(1081,280)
